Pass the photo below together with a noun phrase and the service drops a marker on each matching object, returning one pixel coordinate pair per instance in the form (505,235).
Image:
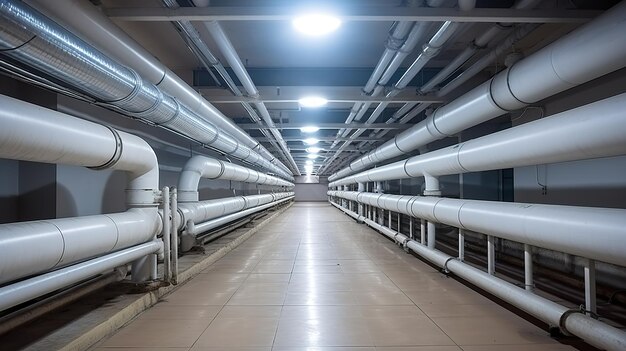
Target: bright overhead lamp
(316,25)
(309,162)
(313,150)
(311,141)
(312,101)
(312,156)
(309,129)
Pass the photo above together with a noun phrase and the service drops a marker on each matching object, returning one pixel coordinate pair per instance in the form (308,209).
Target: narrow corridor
(313,279)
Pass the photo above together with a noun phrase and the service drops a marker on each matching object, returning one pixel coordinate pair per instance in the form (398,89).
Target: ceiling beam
(263,139)
(387,14)
(334,99)
(253,126)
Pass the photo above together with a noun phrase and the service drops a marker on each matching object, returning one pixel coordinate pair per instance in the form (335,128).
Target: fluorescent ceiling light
(309,129)
(312,156)
(313,150)
(312,101)
(309,162)
(311,141)
(316,25)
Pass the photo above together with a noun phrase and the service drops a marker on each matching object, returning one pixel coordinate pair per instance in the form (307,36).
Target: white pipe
(599,127)
(88,22)
(206,226)
(585,54)
(167,229)
(37,134)
(203,211)
(229,52)
(174,234)
(203,167)
(593,331)
(559,228)
(25,290)
(529,283)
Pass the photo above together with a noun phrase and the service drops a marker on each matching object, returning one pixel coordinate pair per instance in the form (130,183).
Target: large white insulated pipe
(36,41)
(589,52)
(560,228)
(91,25)
(26,290)
(204,167)
(33,133)
(593,331)
(591,131)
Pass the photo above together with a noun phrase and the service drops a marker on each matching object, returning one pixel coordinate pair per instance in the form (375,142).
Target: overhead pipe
(97,29)
(429,50)
(203,167)
(554,227)
(33,133)
(202,52)
(591,330)
(26,290)
(229,52)
(600,130)
(36,41)
(587,53)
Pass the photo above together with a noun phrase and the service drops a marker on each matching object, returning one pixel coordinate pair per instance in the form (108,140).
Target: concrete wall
(311,188)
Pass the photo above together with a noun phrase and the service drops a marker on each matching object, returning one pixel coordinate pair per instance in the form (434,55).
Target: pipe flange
(136,89)
(445,269)
(119,147)
(157,103)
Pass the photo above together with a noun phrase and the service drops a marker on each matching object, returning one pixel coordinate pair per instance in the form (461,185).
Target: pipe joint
(143,197)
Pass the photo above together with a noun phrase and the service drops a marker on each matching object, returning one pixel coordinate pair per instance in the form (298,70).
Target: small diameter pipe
(166,236)
(529,283)
(174,235)
(206,226)
(25,290)
(592,331)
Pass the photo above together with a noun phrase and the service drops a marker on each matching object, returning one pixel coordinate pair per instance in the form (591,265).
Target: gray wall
(311,192)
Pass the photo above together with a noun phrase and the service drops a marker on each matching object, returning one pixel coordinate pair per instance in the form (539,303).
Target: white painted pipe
(230,54)
(166,233)
(88,22)
(560,228)
(600,130)
(207,210)
(591,330)
(589,52)
(25,290)
(37,134)
(206,226)
(204,167)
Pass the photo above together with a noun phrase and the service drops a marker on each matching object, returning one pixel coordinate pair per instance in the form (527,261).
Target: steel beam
(252,126)
(387,14)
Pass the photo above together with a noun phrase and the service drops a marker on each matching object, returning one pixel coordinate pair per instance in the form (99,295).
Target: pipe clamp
(119,146)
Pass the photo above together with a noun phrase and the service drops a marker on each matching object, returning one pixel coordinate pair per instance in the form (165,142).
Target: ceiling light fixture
(316,25)
(312,101)
(309,162)
(309,129)
(311,141)
(312,156)
(313,150)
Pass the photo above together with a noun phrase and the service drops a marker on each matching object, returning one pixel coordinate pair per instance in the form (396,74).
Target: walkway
(315,280)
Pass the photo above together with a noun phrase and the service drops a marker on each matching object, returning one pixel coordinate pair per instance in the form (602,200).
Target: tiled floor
(315,280)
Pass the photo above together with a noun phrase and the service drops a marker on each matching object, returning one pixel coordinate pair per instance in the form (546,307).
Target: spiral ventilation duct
(31,38)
